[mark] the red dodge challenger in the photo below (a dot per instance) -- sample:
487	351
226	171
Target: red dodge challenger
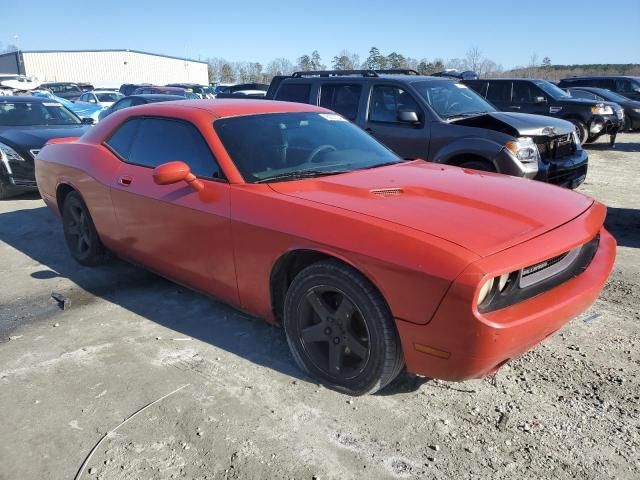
369	262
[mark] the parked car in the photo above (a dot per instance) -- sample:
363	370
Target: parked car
26	124
631	107
128	88
82	110
452	73
243	93
591	119
153	90
201	91
241	87
135	100
442	120
626	86
104	98
449	271
86	87
66	90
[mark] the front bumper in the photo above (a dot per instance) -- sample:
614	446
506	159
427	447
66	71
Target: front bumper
18	177
604	125
567	172
460	343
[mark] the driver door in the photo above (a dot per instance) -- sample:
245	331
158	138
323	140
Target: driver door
174	230
408	140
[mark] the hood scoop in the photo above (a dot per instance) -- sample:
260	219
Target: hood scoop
387	192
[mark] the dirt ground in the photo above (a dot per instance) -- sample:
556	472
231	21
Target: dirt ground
568	409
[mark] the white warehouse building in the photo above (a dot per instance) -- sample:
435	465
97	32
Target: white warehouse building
104	67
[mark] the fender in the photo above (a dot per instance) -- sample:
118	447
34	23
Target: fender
482	147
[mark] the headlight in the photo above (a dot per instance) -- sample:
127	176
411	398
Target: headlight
637	110
602	109
524	149
494	287
8	154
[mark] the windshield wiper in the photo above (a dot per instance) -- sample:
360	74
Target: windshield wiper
464	115
299	175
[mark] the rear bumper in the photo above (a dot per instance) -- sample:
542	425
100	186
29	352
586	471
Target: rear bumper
568	172
462	343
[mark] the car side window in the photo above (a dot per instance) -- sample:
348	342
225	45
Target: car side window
387	101
524	92
124	103
499	92
120	141
341	98
624	85
583	94
294	92
83	97
161	140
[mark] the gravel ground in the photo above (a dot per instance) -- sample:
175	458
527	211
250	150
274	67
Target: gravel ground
238	408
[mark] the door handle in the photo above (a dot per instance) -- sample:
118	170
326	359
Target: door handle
515	107
125	181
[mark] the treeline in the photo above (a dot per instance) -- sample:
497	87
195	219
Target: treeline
224	71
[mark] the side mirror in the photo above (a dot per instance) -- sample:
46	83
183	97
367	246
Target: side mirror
174	172
88	121
539	100
408	117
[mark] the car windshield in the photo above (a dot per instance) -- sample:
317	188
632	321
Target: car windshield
451	99
280	146
109	96
21	114
611	96
552	90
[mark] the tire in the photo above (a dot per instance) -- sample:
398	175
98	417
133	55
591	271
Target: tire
581	130
80	232
478	165
340	330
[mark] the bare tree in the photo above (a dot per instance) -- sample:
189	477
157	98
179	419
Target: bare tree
279	66
473	59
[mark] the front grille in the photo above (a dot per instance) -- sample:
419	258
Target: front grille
556	148
528	271
565	177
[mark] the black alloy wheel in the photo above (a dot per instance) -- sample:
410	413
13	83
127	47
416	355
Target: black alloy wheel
80	233
340	330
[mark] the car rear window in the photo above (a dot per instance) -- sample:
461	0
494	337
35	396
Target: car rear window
294	92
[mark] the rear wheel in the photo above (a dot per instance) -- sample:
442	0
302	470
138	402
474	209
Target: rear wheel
80	233
340	330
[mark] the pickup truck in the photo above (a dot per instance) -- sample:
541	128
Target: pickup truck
443	121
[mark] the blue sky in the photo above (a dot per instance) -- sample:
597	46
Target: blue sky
508	32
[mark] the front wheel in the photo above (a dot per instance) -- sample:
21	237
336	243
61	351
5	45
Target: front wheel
340	329
581	130
80	232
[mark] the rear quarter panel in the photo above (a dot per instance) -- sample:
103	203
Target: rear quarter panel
87	168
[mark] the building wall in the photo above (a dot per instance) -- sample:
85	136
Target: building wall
113	68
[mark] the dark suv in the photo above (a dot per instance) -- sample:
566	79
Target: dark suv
66	90
444	121
591	119
626	86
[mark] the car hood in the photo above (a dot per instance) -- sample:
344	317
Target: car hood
37	136
518	124
482	212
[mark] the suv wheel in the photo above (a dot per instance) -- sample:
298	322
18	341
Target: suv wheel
581	130
340	329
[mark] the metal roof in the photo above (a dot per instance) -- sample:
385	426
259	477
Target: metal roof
123	50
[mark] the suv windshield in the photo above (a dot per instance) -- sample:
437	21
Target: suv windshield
281	146
550	89
22	114
451	99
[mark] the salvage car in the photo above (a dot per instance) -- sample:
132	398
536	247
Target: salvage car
626	86
67	90
135	100
294	214
631	107
26	124
104	98
591	119
442	120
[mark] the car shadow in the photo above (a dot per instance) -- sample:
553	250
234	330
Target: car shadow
38	234
624	225
619	147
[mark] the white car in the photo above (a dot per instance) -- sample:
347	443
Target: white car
104	98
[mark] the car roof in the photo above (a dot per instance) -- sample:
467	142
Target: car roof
24	99
221	108
382	76
154	96
60	83
595	77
